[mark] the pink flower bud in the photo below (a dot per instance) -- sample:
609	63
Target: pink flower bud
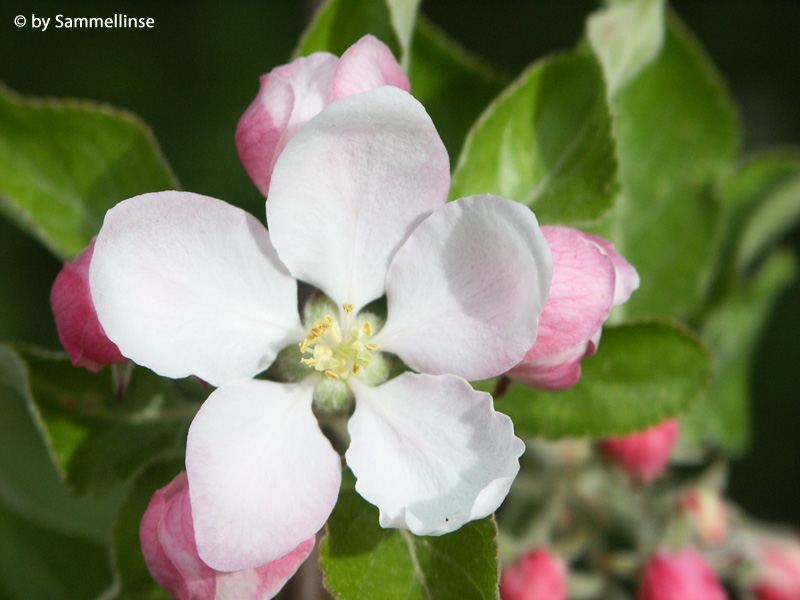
537	575
292	94
708	513
777	569
589	278
76	319
682	575
169	549
644	454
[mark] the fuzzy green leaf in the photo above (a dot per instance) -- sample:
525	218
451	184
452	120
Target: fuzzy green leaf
546	142
52	545
642	374
99	439
29	482
132	580
339	24
363	561
722	417
441	70
676	134
64	163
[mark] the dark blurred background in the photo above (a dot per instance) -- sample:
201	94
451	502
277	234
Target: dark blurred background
193	75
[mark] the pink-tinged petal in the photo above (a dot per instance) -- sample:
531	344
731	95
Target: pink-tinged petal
556	372
679	576
170	551
263	582
350	187
76	319
777	568
366	65
465	290
263	478
168	546
290	95
644	454
627	279
537	575
189	285
425	477
581	292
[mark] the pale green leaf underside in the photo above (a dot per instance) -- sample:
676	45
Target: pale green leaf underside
626	37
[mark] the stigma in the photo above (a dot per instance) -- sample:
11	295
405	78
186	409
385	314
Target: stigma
336	351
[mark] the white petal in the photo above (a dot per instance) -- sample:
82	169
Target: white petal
430	452
350	186
189	285
465	290
262	476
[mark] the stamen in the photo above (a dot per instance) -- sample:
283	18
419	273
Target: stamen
332	353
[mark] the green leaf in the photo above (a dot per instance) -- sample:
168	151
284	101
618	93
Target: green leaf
758	177
676	134
363	561
773	219
52	546
722	417
759	181
29	483
441	70
37	563
99	439
643	373
339	24
626	37
546	142
64	163
132	580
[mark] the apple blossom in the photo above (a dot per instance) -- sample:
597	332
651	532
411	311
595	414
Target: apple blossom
777	572
589	278
76	319
186	284
537	575
679	576
643	454
292	94
169	549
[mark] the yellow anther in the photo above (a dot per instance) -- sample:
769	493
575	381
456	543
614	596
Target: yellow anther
339	354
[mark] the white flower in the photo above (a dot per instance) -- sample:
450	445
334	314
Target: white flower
186	284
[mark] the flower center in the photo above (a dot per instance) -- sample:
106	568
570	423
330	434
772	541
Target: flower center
335	353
